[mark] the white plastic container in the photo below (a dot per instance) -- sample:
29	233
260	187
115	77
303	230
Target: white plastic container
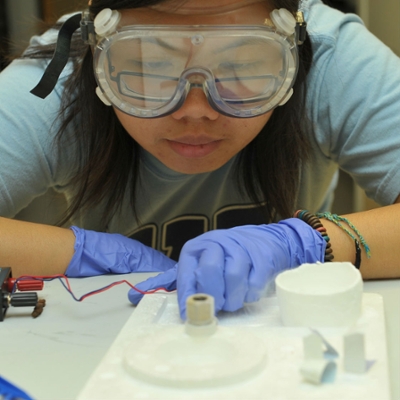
320	295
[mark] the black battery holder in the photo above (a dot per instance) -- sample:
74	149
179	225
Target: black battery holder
26	299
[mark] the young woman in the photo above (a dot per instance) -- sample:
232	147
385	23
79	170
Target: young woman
197	129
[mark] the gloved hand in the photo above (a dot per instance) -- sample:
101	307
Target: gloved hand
235	265
99	253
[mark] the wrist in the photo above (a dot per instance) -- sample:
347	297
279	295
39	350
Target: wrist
315	223
73	269
342	243
310	245
337	226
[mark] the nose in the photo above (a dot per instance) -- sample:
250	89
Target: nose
196	105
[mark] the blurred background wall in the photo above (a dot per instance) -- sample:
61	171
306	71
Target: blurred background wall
20	19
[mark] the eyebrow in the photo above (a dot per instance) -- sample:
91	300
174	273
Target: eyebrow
233	44
239	43
160	43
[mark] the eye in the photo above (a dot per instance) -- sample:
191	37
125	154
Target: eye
242	66
156	65
234	66
147	66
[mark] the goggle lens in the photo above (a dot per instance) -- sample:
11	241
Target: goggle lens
243	72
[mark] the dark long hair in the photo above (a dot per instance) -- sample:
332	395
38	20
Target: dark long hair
268	168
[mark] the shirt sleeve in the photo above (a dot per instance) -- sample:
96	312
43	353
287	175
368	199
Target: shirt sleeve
354	101
29	163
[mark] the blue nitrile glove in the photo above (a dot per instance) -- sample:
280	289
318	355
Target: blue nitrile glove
99	253
235	265
9	391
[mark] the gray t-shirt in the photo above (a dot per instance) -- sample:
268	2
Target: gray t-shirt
353	102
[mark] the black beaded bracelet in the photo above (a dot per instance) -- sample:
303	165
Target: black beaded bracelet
357	263
315	223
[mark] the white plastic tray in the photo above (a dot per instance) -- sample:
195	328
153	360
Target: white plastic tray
280	379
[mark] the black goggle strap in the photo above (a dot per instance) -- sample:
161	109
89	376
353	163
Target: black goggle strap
60	57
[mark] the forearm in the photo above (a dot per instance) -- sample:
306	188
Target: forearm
381	230
34	248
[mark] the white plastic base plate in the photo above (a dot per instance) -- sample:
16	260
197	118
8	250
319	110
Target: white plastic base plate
279	378
168	356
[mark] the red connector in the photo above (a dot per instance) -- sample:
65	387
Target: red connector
25	285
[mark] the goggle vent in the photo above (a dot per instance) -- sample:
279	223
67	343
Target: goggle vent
284	21
106	21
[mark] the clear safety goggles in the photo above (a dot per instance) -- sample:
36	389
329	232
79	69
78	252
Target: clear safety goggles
148	70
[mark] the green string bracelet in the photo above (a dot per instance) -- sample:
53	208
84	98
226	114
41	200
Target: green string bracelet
337	219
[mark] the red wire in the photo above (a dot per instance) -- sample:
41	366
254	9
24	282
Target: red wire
128	283
60	276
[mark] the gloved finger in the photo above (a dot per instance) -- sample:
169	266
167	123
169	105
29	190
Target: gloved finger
188	275
210	274
237	270
254	294
262	274
166	280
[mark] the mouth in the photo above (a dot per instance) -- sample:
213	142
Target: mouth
194	146
195	140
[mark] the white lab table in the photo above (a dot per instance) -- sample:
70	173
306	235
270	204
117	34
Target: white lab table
52	356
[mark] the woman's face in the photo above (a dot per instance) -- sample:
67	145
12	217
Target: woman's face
196	138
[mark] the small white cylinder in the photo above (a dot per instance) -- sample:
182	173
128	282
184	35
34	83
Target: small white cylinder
200	319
